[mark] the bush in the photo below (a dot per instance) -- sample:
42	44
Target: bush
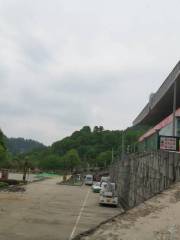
3	185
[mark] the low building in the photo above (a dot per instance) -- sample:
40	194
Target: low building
162	112
150	140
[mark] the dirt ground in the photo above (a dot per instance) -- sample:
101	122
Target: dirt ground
157	219
48	211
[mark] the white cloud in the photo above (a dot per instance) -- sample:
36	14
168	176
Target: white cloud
67	63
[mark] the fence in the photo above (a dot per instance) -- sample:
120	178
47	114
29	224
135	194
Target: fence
142	175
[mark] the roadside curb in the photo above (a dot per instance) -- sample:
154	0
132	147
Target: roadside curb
93	229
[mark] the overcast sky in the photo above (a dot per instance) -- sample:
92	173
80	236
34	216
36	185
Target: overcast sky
69	63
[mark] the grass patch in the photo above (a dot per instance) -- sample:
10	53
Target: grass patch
3	185
47	175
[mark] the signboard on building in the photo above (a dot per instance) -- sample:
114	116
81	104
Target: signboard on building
169	143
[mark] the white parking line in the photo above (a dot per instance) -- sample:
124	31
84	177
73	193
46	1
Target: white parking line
79	216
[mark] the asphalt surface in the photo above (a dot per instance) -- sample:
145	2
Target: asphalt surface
156	219
48	211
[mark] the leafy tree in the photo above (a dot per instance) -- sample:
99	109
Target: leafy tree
101	129
86	129
71	159
51	162
104	159
3	152
98	129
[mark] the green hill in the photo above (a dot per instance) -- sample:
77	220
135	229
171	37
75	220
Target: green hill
21	145
83	148
86	147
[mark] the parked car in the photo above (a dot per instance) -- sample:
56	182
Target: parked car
108	195
96	188
89	180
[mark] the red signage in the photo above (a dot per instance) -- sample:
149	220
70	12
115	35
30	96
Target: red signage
169	143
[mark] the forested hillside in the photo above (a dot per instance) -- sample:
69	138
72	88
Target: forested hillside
12	148
86	147
21	145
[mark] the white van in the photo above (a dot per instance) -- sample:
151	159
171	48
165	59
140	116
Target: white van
89	180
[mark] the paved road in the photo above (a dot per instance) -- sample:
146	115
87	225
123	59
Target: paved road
156	219
48	211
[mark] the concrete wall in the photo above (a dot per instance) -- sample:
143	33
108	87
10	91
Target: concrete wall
141	176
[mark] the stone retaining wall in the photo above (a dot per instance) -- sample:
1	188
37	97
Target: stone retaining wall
141	176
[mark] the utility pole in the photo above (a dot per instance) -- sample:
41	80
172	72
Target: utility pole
25	169
174	110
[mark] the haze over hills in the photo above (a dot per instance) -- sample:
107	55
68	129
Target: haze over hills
21	146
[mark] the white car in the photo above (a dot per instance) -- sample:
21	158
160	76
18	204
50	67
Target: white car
96	187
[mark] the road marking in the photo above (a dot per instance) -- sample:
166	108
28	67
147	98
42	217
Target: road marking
79	216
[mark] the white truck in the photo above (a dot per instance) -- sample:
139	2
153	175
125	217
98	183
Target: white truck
108	195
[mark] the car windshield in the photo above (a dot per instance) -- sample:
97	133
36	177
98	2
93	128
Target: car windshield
89	178
97	184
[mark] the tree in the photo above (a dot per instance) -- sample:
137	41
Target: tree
86	129
51	162
101	129
96	129
3	152
104	159
71	159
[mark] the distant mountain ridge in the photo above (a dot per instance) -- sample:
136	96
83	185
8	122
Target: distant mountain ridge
21	145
